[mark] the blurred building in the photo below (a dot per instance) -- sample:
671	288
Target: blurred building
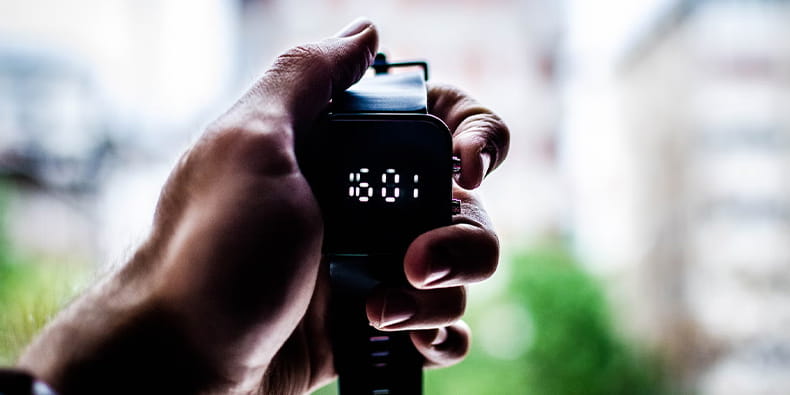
151	74
53	146
691	210
97	98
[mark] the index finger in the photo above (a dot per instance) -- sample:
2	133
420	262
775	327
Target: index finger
480	138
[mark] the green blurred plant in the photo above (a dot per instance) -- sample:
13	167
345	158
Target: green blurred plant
32	289
573	347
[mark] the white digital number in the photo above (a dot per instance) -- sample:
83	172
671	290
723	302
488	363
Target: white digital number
361	185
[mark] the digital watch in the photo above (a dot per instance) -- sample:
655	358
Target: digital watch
381	168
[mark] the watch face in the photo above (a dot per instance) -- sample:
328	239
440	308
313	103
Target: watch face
382	181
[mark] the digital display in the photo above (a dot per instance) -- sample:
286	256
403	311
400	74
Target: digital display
364	185
381	183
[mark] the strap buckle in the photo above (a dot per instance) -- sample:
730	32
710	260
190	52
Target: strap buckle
381	66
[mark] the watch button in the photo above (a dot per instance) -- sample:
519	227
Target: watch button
456	206
456	165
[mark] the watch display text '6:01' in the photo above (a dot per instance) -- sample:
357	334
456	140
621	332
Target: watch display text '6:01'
388	185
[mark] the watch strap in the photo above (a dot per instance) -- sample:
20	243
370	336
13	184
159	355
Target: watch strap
404	92
19	382
368	361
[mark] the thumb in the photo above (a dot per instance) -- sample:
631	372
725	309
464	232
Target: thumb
302	80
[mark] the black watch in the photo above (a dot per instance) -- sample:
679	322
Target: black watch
381	168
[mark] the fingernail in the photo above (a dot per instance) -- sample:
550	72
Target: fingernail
439	263
437	274
441	337
356	26
398	307
485	158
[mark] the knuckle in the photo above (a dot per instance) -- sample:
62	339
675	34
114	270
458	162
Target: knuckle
459	307
490	265
347	72
266	153
464	115
482	254
498	138
303	51
447	305
443	98
441	90
300	54
261	146
328	60
487	132
488	247
458	343
307	56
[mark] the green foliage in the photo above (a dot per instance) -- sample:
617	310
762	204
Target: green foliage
32	290
572	345
575	348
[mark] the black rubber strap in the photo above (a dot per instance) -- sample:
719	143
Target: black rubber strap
18	382
391	93
369	361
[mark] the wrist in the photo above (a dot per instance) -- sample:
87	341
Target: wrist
119	338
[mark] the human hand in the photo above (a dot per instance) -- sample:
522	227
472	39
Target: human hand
226	295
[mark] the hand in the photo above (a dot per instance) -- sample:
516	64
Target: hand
440	263
226	295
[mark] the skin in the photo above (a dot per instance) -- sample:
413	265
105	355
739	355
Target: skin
227	294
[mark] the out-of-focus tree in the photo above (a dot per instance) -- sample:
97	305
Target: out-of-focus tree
573	346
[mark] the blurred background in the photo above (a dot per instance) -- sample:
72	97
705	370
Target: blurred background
643	211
